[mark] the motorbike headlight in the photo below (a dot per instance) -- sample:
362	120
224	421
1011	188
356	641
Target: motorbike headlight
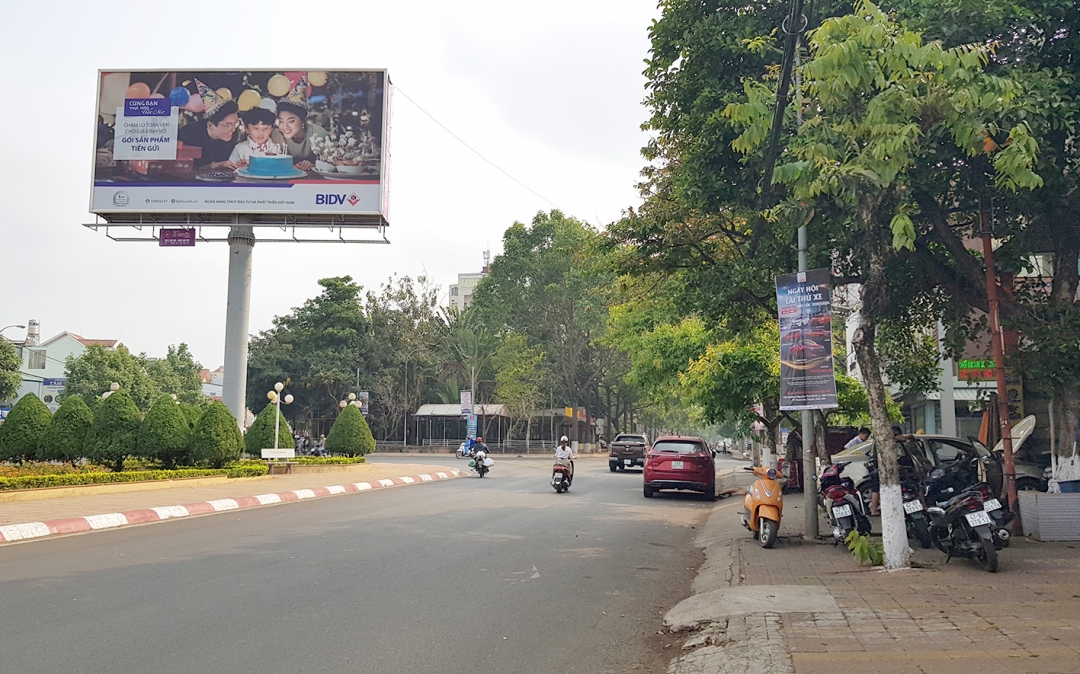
771	473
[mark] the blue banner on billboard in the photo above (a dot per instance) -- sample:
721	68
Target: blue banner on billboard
807	380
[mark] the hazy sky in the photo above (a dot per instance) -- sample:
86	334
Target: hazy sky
550	91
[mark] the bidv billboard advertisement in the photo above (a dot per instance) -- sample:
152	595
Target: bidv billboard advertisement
266	141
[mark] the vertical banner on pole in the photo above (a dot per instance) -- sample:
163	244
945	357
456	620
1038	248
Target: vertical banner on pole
807	380
466	403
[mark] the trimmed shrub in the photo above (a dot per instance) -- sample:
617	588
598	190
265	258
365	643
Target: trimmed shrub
327	460
261	434
115	431
65	437
350	434
192	413
216	440
21	433
165	434
76	479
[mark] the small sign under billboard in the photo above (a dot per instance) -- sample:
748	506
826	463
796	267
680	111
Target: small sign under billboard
255	141
173	238
807	379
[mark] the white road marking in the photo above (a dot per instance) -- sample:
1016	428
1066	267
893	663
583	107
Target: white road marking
171	511
336	489
304	493
106	521
18	532
224	504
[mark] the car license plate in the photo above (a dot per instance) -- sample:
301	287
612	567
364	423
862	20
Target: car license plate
841	511
992	504
628	462
912	506
676	465
979	518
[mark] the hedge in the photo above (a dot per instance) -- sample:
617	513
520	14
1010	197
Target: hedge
165	434
76	479
261	434
115	432
327	460
350	435
65	437
21	433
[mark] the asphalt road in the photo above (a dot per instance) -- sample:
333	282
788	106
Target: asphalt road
494	575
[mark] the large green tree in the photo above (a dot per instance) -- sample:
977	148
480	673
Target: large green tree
178	374
520	379
92	373
10	370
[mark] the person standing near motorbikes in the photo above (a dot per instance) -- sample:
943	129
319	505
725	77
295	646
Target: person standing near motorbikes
565	453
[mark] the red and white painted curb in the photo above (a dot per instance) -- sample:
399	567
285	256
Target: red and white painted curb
73	525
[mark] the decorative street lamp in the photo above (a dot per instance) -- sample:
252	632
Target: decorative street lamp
275	397
113	388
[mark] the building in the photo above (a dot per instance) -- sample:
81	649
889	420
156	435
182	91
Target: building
461	292
44	363
212	382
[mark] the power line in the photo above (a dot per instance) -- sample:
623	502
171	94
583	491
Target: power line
471	148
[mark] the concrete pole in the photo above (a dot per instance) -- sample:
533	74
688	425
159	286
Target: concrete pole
234	380
948	405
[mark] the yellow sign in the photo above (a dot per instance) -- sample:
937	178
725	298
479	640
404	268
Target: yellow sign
568	412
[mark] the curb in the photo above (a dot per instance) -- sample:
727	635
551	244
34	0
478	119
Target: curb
73	525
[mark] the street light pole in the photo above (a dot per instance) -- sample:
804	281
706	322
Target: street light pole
11	326
275	397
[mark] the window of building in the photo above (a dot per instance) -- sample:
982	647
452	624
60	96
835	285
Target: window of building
35	359
453	291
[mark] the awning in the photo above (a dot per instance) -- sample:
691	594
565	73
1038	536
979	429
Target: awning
455	411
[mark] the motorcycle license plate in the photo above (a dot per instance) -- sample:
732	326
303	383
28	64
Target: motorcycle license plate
912	506
676	465
979	518
628	461
992	504
841	511
557	477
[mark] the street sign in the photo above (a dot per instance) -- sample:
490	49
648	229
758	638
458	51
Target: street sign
50	392
279	453
365	398
466	402
470	426
171	238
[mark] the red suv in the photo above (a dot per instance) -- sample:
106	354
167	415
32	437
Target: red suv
676	462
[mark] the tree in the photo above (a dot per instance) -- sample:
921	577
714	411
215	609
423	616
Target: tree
114	434
882	102
519	379
21	432
165	434
261	434
177	374
350	434
65	437
10	370
216	440
92	373
192	413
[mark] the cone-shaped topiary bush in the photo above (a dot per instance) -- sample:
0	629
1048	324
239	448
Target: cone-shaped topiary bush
350	434
115	431
192	413
217	439
165	434
261	434
65	437
21	433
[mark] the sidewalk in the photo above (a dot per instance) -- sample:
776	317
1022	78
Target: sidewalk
808	607
62	515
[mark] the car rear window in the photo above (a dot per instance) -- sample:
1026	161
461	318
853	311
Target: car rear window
631	438
676	447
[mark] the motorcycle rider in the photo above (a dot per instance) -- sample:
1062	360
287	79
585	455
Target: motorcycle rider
564	453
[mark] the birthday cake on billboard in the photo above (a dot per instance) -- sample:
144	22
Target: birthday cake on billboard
270	165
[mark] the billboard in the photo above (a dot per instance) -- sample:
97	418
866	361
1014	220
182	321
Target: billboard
256	141
807	381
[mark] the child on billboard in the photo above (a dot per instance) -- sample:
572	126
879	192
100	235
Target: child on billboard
258	125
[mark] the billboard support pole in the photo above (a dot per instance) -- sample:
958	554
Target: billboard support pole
234	380
809	470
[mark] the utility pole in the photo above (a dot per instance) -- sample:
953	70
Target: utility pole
997	339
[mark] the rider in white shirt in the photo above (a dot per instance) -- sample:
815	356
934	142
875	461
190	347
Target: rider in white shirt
564	453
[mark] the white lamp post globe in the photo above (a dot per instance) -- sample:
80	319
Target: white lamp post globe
278	386
352	396
114	386
342	404
288	399
271	395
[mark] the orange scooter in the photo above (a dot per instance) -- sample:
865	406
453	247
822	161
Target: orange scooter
763	505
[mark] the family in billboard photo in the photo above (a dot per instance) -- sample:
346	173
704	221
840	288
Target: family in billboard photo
297	126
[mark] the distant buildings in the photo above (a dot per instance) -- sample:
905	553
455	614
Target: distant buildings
461	292
43	362
211	382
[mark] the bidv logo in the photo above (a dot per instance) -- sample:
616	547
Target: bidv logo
335	199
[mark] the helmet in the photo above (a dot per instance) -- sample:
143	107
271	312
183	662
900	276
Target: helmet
564	439
479	439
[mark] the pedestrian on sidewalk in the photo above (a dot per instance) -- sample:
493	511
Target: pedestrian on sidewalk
862	436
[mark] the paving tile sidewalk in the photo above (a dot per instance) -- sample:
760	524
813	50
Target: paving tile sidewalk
95	504
938	618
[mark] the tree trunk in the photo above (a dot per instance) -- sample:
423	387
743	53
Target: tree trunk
893	530
1066	458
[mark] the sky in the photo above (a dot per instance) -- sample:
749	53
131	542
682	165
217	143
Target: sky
550	91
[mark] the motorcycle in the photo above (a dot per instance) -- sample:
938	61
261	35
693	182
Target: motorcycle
463	450
763	505
481	462
966	526
842	502
914	510
561	477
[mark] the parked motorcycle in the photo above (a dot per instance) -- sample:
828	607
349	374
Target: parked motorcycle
966	526
842	502
918	526
481	462
561	476
763	505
